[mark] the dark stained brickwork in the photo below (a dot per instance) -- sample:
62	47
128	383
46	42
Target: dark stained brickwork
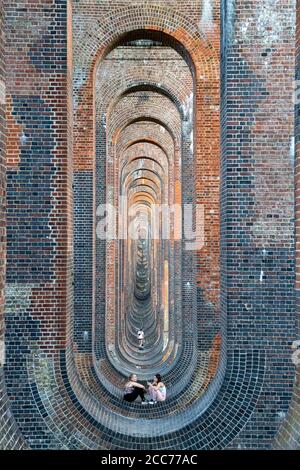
29	194
39	181
124	82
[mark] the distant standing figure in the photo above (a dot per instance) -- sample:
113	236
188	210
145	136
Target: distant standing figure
141	338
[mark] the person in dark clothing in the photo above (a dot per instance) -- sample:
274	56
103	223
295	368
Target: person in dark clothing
134	389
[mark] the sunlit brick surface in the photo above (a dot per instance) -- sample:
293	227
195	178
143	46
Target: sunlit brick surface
166	102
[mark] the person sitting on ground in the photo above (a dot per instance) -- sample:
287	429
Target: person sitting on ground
157	389
141	336
133	389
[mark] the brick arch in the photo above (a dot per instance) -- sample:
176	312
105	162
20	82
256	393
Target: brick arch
138	20
140	148
172	27
149	131
146	141
155	120
204	55
244	414
119	120
111	85
150	87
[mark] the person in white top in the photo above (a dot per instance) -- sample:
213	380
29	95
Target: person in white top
141	338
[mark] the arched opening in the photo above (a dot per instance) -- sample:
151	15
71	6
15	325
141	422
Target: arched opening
142	135
137	110
145	273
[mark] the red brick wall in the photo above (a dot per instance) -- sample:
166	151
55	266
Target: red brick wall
257	209
206	61
42	79
288	436
202	54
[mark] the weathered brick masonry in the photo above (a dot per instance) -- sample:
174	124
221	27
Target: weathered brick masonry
38	197
258	44
288	436
185	101
10	437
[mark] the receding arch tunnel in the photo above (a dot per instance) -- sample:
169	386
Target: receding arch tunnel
142	194
145	164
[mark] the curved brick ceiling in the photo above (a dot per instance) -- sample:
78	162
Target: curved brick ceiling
144	131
